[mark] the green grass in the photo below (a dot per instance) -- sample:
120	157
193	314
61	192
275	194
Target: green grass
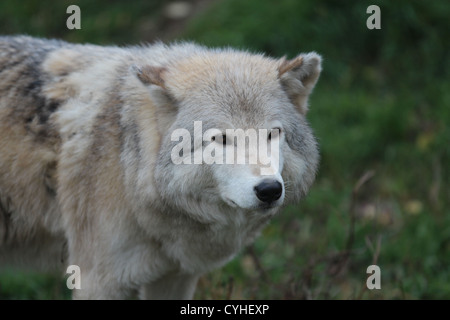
20	285
380	107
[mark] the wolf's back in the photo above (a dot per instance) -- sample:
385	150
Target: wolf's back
21	83
28	142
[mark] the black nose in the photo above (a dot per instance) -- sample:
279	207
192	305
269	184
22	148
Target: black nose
269	190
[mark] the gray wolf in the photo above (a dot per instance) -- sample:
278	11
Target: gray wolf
86	175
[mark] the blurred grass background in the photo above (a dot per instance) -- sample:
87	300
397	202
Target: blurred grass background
381	112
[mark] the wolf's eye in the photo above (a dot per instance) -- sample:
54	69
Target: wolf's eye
219	139
270	133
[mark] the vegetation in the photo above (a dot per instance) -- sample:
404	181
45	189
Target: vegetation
381	113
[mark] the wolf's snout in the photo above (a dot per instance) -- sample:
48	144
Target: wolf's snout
268	190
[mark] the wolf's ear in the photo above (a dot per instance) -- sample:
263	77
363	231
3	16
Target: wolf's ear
166	108
150	74
299	76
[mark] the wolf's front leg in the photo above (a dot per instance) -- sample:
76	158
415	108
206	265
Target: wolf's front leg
173	287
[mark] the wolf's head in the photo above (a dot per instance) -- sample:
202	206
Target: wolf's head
233	129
